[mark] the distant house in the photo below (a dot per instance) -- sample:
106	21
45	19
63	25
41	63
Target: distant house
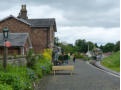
41	31
89	54
20	43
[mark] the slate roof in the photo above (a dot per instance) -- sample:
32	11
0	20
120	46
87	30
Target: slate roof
19	19
41	22
16	39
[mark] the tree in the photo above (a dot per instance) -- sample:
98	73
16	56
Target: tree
96	45
69	48
117	46
91	45
109	47
56	41
101	47
81	46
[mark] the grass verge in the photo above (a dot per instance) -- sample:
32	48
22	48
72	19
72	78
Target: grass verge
112	62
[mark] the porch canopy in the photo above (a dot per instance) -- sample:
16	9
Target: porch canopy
17	40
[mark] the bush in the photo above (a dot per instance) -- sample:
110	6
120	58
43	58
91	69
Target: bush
31	58
61	58
47	54
17	77
78	55
5	87
17	81
43	65
81	56
14	55
86	58
22	77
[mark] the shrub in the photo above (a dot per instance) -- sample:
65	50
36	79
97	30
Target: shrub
31	58
86	58
78	55
47	54
22	77
42	66
81	56
14	55
5	87
12	79
46	67
60	57
16	77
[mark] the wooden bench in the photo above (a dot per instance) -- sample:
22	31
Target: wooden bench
57	68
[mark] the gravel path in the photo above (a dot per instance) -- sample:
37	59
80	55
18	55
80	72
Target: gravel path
85	77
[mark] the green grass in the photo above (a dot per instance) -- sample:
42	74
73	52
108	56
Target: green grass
112	61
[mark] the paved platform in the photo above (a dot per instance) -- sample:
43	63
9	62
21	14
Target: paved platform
85	77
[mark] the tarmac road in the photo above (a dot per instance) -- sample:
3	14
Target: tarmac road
84	77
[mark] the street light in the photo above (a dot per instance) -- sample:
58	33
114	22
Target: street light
5	33
5	37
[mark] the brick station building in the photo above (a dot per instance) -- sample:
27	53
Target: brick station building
40	31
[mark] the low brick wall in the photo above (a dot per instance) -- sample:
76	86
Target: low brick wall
19	61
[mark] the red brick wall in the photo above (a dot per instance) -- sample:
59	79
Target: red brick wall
11	50
14	26
40	37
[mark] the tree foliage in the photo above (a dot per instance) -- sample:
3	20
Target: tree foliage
56	41
117	46
82	45
69	48
110	47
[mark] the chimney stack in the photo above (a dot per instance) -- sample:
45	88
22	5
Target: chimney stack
23	12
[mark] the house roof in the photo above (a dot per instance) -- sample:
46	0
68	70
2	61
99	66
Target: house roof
11	16
41	22
16	39
47	22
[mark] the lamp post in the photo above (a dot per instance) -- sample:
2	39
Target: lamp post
88	46
5	37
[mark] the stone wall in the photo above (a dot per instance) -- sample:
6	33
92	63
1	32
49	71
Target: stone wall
20	61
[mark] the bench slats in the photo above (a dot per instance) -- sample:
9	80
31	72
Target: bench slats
63	68
55	68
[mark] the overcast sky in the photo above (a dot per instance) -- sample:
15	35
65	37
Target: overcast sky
94	20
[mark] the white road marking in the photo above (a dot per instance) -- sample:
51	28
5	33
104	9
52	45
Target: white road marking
103	70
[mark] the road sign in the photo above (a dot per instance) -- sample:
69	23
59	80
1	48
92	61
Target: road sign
7	44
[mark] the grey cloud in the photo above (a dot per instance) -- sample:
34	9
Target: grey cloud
6	4
101	19
85	5
95	13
